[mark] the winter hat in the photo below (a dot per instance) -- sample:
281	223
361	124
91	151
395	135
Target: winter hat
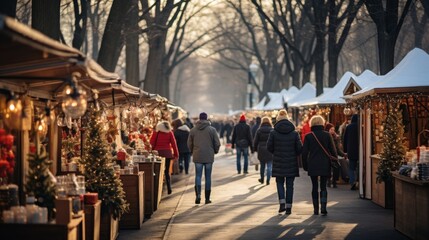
266	120
203	116
282	115
328	126
242	118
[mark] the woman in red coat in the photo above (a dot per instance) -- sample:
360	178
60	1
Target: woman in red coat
163	141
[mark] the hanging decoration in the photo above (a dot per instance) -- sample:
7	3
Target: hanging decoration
7	156
74	103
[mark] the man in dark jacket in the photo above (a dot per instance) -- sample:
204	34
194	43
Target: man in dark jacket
285	145
242	140
256	126
351	148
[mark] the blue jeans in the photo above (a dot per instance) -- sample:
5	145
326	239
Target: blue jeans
280	181
207	173
353	164
184	161
245	156
269	170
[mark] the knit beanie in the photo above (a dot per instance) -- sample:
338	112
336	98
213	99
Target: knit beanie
242	118
282	115
203	116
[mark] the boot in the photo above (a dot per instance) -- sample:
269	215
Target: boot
282	207
315	197
323	202
197	194
207	193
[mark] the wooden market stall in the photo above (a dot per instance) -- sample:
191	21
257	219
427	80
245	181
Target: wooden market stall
405	89
37	71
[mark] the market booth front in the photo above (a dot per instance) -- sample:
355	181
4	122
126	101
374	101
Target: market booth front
394	115
52	98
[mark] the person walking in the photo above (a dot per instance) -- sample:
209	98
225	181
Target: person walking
285	144
330	128
316	161
242	140
203	142
351	148
163	141
260	145
181	133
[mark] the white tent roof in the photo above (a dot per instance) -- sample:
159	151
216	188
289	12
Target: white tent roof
260	105
290	93
412	73
306	92
276	101
312	101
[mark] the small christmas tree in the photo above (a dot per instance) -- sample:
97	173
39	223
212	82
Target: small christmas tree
39	180
393	148
99	173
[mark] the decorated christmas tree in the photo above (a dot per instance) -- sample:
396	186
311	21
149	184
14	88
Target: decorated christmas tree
99	173
393	148
39	180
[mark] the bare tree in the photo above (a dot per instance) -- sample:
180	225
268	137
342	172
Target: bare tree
386	17
81	17
132	45
8	7
46	17
113	38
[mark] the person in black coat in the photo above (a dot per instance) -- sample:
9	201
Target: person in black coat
351	148
260	145
317	162
181	133
285	144
242	140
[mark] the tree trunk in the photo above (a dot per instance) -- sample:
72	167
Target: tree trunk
95	21
132	46
80	14
8	8
155	78
333	66
112	42
386	52
46	17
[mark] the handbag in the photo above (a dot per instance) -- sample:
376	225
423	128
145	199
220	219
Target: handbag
335	163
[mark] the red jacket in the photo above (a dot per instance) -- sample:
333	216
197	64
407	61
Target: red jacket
163	139
305	129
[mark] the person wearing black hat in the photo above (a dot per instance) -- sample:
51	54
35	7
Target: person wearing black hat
242	140
204	143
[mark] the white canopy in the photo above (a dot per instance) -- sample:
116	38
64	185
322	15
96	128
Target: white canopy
306	92
276	101
260	105
290	93
411	74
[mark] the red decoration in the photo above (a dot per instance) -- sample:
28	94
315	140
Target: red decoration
7	157
91	198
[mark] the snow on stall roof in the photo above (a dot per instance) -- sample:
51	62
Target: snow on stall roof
412	71
306	92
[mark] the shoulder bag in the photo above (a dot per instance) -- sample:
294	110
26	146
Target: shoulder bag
335	163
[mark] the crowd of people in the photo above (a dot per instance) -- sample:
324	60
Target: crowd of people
281	148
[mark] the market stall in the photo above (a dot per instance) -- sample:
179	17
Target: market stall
74	118
394	111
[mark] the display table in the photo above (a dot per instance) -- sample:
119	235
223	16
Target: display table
159	177
411	207
133	188
149	184
92	221
381	193
50	231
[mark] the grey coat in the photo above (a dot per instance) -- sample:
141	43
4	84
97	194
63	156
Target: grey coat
203	142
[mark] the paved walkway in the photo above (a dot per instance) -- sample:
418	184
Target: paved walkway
243	208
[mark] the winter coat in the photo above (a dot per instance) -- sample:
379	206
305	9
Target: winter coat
260	143
314	159
181	134
304	130
255	128
285	145
163	139
351	139
337	142
203	142
241	136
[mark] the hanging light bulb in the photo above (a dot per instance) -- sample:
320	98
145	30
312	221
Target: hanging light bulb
347	111
74	103
13	113
41	127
